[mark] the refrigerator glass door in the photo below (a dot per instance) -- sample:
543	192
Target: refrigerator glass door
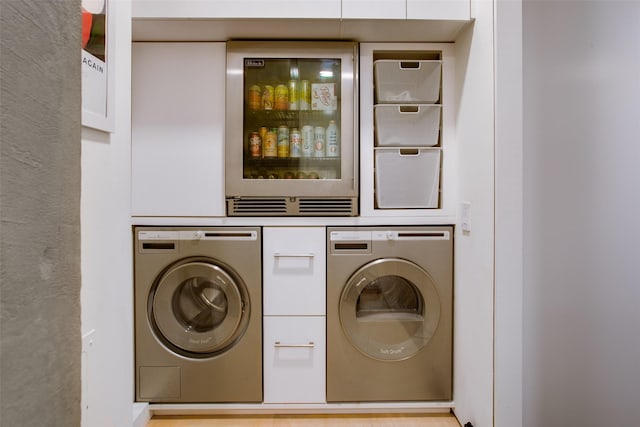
291	125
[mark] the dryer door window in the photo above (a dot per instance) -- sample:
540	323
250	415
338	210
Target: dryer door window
198	308
390	309
389	298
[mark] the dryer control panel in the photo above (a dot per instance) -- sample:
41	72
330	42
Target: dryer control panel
361	241
388	235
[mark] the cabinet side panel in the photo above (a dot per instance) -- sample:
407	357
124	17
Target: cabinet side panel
178	110
474	247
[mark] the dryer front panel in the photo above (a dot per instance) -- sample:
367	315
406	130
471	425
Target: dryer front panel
390	309
199	308
389	313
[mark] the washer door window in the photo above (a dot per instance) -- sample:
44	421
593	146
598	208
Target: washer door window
199	309
389	309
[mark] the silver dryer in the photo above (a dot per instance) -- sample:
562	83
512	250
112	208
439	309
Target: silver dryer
389	313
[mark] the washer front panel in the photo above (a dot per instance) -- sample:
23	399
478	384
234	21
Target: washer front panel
198	314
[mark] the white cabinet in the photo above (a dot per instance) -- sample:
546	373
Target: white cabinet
374	9
294	308
294	359
362	20
177	129
236	9
420	161
407	9
325	9
439	9
294	260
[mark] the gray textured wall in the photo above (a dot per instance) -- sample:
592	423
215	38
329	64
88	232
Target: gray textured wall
40	341
582	204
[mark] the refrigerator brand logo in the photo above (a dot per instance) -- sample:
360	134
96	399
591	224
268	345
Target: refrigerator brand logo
254	63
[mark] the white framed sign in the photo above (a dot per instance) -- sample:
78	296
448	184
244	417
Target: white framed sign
98	31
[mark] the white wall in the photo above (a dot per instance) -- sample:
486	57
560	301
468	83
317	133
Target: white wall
107	295
582	204
508	214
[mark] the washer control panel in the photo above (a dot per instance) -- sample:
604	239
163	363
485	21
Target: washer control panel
204	234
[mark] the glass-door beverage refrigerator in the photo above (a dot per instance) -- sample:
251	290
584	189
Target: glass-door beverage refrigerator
291	136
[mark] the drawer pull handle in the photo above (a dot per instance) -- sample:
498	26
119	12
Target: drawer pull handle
294	255
278	344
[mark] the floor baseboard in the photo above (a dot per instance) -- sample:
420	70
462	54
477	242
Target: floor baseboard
141	414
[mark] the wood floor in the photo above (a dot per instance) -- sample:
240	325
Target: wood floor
372	420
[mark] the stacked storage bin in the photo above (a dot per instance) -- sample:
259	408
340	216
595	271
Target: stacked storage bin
407	114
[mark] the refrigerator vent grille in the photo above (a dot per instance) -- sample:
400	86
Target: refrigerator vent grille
326	206
288	206
258	207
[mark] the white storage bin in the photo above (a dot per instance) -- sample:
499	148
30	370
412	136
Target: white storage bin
402	82
407	125
407	178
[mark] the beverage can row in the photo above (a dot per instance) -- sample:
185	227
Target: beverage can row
326	142
311	141
295	95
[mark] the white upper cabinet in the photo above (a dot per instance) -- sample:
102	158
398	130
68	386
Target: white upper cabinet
283	9
325	9
374	9
362	20
439	9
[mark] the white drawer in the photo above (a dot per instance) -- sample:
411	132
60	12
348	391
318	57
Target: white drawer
294	270
294	357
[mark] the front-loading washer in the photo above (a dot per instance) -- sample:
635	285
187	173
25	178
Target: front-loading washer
198	311
389	313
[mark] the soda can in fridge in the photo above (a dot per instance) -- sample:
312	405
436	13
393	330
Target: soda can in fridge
255	145
270	143
294	95
263	133
281	102
318	141
283	141
333	140
295	143
254	98
304	102
307	141
268	96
